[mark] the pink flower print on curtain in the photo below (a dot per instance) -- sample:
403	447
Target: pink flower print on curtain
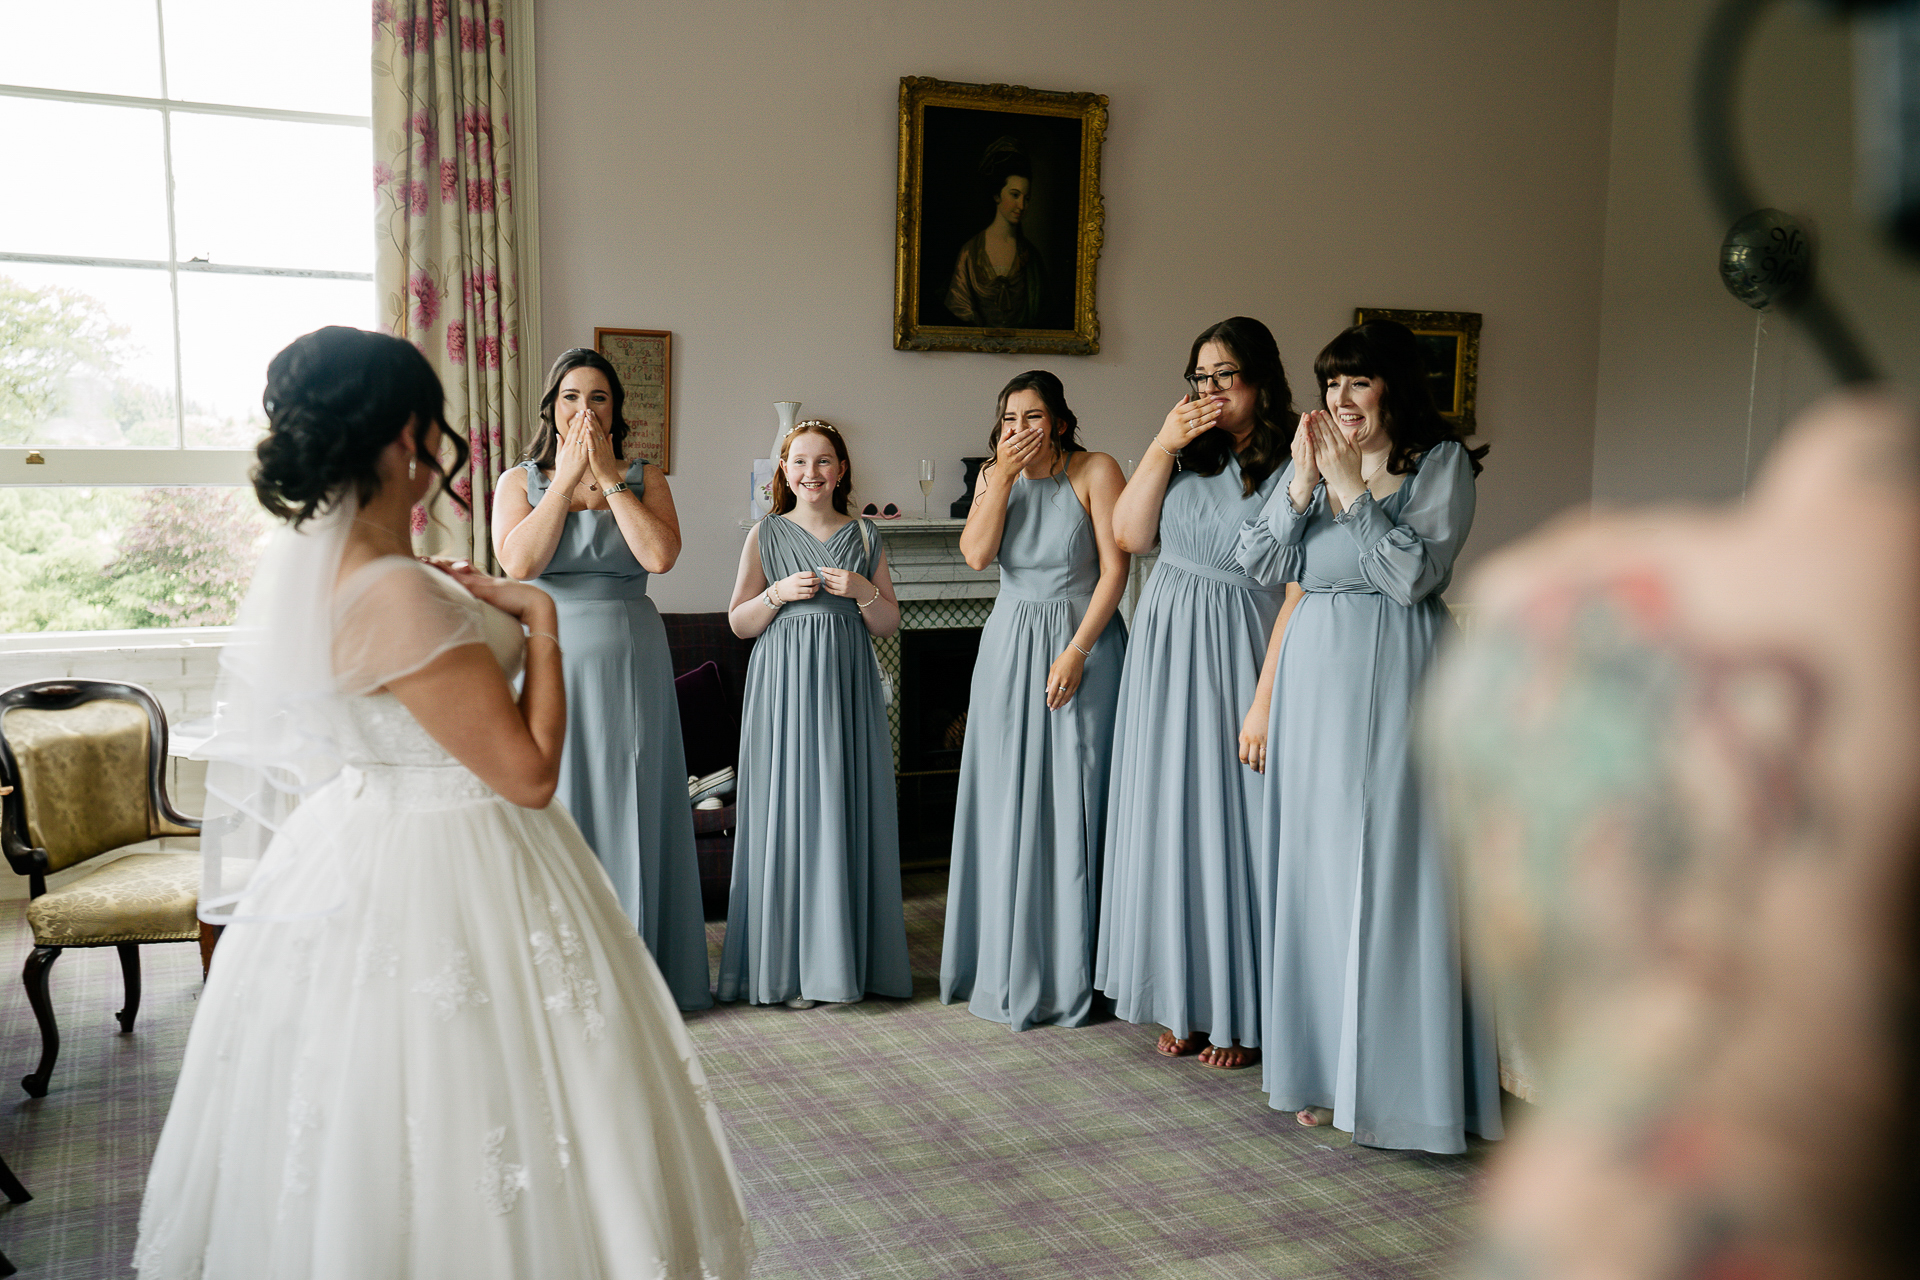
476	131
444	268
426	137
426	300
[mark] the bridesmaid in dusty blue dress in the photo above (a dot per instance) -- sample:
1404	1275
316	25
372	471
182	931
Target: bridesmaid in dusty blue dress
1367	1024
591	527
815	911
1180	906
1031	819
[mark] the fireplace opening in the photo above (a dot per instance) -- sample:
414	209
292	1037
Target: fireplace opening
936	675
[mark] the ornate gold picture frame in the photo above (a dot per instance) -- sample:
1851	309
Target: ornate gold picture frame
644	360
1000	219
1450	347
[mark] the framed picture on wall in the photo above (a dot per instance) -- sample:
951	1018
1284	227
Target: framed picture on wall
644	360
1450	349
999	220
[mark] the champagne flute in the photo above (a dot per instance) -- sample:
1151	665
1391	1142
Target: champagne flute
926	485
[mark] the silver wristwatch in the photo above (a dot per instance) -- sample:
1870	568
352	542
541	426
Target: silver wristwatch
612	489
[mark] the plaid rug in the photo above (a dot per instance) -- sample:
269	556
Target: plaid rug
889	1138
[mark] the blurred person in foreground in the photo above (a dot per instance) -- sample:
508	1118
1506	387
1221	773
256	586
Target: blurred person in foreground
1680	755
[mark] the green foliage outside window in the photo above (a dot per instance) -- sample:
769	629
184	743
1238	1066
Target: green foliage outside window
47	337
121	559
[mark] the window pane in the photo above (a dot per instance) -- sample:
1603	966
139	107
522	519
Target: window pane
231	326
83	180
265	193
87	357
113	559
298	57
109	46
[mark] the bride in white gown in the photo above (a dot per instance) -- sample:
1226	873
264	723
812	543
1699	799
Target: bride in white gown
431	1043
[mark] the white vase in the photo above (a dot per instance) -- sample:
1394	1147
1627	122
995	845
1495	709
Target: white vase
760	497
789	411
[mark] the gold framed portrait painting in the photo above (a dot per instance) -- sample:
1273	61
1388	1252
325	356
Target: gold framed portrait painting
644	360
1450	349
999	221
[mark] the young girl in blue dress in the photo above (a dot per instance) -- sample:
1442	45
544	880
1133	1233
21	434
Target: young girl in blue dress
815	912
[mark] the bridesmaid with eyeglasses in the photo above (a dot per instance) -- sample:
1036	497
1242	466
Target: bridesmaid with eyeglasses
1182	902
1030	822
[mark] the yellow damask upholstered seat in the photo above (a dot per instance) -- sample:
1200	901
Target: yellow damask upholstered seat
143	897
86	761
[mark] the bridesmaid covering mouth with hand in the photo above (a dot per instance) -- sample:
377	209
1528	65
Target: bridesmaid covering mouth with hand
1029	825
1183	898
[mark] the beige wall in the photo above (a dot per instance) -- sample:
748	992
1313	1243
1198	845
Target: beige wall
726	170
1678	363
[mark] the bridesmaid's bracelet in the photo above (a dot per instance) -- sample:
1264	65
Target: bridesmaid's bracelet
545	635
876	596
773	601
1083	652
1162	448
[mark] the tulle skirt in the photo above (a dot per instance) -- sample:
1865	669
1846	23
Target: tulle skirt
462	1063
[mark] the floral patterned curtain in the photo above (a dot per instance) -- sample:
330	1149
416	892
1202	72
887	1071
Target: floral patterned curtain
445	268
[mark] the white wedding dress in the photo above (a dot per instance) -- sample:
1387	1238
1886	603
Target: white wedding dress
446	1052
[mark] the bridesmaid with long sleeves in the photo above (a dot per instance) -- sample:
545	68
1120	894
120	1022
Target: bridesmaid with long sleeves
1368	1025
814	912
1180	906
1030	823
590	525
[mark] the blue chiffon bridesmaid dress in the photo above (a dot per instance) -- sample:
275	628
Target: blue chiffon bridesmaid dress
1366	1007
1180	906
623	773
815	910
1030	824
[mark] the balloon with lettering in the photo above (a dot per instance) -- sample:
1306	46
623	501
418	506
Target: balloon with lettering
1766	259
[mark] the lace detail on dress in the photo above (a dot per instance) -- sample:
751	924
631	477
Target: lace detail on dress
500	1183
300	956
416	1156
379	955
578	993
303	1117
454	987
146	1256
698	1079
562	1144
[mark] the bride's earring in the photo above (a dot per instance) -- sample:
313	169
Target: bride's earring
413	467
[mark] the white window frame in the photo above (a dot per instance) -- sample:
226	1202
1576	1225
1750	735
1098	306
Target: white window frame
175	465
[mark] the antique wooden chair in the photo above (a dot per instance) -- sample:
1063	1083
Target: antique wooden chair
86	760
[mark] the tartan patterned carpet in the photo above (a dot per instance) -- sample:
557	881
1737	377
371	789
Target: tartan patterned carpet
885	1139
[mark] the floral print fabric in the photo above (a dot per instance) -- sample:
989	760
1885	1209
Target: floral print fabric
446	234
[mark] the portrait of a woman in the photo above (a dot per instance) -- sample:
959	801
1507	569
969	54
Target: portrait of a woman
999	281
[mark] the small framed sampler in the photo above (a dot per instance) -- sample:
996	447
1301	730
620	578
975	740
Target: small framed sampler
1450	349
644	360
999	219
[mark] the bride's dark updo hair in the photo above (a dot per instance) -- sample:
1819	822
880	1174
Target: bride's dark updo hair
335	399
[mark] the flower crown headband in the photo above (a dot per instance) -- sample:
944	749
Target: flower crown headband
808	425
